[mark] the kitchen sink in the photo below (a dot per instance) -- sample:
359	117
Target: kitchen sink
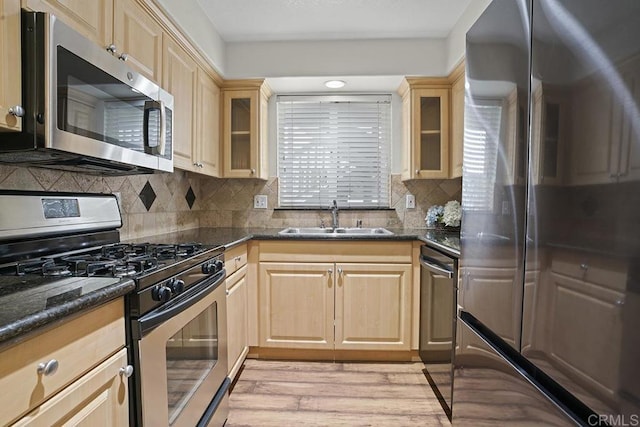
330	232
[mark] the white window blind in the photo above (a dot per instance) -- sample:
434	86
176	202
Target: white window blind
482	123
334	148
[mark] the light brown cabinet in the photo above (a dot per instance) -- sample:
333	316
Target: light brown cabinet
244	127
206	144
457	121
140	37
10	70
180	75
341	306
426	128
237	308
88	384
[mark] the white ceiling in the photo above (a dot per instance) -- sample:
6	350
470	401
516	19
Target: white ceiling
286	20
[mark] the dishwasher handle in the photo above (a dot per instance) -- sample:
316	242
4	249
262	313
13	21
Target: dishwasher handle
435	268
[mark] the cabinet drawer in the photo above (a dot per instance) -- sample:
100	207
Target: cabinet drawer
598	269
235	258
77	346
233	279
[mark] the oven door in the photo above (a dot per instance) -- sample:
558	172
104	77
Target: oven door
182	356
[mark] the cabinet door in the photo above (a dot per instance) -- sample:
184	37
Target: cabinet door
373	307
436	332
140	37
240	133
10	64
431	133
207	140
93	19
407	146
236	320
457	126
296	305
179	74
98	398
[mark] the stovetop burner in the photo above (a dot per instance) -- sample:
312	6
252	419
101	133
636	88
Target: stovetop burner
116	260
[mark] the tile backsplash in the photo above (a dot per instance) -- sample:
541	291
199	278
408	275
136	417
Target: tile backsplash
164	202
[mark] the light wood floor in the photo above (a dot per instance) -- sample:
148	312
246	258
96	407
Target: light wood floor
273	393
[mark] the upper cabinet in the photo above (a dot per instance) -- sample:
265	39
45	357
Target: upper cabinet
433	126
206	144
244	129
138	38
426	128
10	76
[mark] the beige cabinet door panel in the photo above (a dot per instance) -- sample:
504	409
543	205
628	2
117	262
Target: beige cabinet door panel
179	78
93	19
296	305
373	307
98	398
10	64
236	318
139	36
207	140
430	123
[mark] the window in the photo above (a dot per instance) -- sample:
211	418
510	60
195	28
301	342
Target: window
482	123
334	148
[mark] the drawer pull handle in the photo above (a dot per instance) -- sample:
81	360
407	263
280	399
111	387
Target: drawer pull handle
126	371
227	292
48	368
238	258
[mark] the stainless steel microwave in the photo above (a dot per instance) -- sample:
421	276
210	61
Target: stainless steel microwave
85	109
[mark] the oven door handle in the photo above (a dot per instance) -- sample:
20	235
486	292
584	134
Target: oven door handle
154	318
436	268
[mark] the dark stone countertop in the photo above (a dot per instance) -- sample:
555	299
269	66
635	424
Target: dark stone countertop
445	241
30	302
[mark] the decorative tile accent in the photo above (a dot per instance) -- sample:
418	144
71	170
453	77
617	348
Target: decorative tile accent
147	195
191	197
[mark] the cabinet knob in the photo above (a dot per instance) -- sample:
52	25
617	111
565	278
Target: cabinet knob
16	111
126	371
112	48
417	171
330	271
584	266
339	271
48	368
200	165
227	292
123	57
253	171
620	302
195	164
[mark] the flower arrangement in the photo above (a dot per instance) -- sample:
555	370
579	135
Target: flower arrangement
449	215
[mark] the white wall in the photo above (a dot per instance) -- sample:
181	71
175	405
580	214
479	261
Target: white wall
191	19
455	42
336	57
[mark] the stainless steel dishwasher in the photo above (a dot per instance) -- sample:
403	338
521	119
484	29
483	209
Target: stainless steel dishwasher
438	302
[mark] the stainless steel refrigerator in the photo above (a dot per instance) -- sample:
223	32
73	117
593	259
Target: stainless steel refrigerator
548	327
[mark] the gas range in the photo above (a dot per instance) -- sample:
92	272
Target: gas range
49	238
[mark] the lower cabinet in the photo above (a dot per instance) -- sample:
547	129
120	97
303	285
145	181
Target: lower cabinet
237	316
341	306
98	398
69	375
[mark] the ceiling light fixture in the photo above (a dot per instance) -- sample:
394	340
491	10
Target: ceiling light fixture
334	84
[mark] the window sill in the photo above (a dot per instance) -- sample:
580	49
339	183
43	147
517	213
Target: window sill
328	209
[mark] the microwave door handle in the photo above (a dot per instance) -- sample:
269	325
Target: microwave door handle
160	147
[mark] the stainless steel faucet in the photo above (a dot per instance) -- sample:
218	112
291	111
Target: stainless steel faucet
334	215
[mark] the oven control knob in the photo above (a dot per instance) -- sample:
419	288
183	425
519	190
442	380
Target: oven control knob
219	265
161	293
176	286
208	268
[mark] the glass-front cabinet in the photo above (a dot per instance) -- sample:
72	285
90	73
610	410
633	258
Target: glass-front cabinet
244	129
426	128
